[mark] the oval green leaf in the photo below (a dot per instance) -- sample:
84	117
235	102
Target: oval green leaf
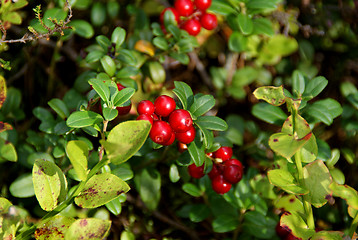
81	119
284	179
54	228
77	152
89	228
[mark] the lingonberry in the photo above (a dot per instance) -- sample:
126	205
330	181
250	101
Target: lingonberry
224	153
186	137
232	174
210	154
125	109
164	105
280	231
173	10
192	26
202	4
220	185
209	21
145	117
195	171
170	141
215	171
180	120
184	7
234	161
161	132
145	107
182	147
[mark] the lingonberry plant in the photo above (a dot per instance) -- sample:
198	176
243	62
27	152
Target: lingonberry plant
140	120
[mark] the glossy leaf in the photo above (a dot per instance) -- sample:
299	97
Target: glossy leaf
50	184
197	153
199	212
208	135
269	113
327	235
101	88
324	110
114	206
263	26
110	113
259	225
82	119
123	96
89	228
7	151
22	187
237	42
82	28
345	192
161	43
284	179
273	95
125	139
54	228
59	107
191	189
315	87
298	226
118	36
148	183
101	189
225	223
108	65
212	123
184	93
290	203
245	23
4	205
174	175
202	105
298	82
77	151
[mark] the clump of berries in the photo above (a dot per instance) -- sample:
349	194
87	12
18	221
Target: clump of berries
225	172
191	16
168	123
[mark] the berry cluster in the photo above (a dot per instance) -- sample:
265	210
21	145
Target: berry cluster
225	172
191	16
167	122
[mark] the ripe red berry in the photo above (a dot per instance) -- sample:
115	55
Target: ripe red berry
192	26
170	141
180	120
281	232
125	109
164	105
195	171
202	4
120	86
186	137
234	161
155	117
161	132
220	185
145	107
209	21
224	153
145	117
232	174
215	171
173	10
210	154
184	7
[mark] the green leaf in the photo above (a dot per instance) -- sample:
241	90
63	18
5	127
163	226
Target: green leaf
22	187
262	26
298	82
327	235
222	8
123	96
104	42
108	65
212	123
148	183
125	139
94	56
50	184
7	151
289	203
269	113
236	127
199	212
174	175
127	72
324	110
114	206
237	42
59	107
97	229
345	192
259	225
245	23
191	189
118	36
98	14
4	205
202	105
82	28
125	173
77	151
337	175
273	95
127	57
54	228
82	119
314	87
317	180
208	135
110	113
184	93
298	226
101	189
181	57
287	145
335	155
197	153
161	43
284	179
225	223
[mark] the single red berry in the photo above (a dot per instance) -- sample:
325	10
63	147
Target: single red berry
182	147
145	107
215	171
202	4
120	86
220	185
180	120
234	161
209	21
145	117
232	174
192	26
184	7
186	137
170	141
224	153
173	10
164	105
195	171
161	132
281	232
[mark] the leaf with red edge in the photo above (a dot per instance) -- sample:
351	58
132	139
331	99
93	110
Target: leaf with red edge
4	127
3	90
294	223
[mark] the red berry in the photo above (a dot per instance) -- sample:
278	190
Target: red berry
192	26
170	141
195	171
145	117
161	132
202	4
145	107
232	174
174	11
281	232
182	147
184	7
224	153
186	137
215	171
291	237
164	105
180	120
234	161
220	185
210	154
120	86
155	117
209	21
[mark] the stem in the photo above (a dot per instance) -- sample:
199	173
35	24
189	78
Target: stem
306	205
354	225
105	124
